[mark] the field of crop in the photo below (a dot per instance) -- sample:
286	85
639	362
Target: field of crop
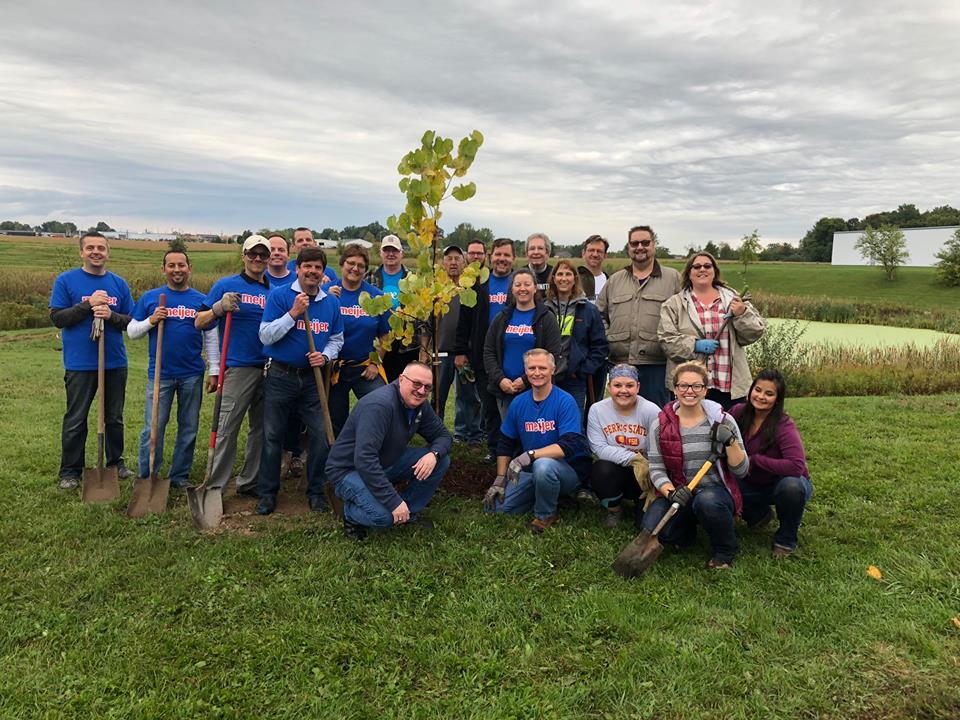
283	617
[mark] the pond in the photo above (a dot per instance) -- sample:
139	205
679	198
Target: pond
867	335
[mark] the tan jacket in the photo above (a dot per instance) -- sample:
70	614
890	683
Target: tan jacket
631	314
679	330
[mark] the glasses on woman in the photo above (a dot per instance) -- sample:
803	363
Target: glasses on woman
417	385
684	387
702	266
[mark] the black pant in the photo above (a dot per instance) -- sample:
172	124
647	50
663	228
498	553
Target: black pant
81	388
612	483
489	411
396	359
726	402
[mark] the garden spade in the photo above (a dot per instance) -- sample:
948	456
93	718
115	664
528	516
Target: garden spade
645	548
100	484
206	504
332	500
150	493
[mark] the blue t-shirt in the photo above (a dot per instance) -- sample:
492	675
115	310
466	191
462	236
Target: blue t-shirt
391	285
182	342
517	339
325	321
498	292
285	281
536	425
360	329
245	348
328	271
79	352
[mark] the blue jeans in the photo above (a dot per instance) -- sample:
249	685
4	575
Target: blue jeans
712	507
362	508
540	489
653	387
284	391
189	394
578	388
466	409
351	378
789	495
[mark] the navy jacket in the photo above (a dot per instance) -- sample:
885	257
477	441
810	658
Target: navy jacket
585	350
374	437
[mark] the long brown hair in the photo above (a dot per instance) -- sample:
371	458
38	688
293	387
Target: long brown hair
685	276
552	292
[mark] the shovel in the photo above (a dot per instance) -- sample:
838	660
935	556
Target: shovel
206	504
150	493
332	500
645	548
100	484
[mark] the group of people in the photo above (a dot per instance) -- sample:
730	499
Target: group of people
530	361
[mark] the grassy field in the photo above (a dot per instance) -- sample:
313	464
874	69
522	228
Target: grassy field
106	617
28	264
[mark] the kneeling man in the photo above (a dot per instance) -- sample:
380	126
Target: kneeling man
545	422
371	455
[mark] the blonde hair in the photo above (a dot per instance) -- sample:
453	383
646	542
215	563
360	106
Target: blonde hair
692	366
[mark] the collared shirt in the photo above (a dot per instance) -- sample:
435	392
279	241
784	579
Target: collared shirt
711	318
285	339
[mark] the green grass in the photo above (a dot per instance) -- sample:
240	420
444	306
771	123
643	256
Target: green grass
107	617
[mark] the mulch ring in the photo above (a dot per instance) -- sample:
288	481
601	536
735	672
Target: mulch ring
464	479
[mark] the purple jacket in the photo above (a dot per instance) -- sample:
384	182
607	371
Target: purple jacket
785	458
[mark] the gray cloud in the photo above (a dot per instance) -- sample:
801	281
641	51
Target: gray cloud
706	122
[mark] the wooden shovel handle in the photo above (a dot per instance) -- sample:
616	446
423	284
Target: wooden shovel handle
155	402
318	379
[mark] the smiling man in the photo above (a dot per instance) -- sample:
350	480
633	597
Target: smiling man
79	296
543	424
538	250
372	454
278	272
181	369
290	383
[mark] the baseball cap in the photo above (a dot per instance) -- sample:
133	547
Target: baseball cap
452	248
391	241
251	242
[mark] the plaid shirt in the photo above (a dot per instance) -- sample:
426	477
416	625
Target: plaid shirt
718	364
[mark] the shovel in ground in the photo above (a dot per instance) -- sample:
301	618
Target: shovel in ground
645	548
332	500
150	493
206	504
100	484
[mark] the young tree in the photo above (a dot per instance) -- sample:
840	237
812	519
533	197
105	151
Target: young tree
749	249
885	246
426	292
948	263
177	245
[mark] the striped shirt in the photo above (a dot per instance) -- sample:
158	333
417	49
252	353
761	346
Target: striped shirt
696	450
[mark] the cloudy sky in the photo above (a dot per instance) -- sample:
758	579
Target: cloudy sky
703	121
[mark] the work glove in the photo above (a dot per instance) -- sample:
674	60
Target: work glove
230	302
706	346
680	495
721	434
495	494
466	374
520	463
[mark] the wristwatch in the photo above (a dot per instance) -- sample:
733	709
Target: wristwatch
532	454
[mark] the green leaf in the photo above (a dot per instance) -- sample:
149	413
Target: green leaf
477	137
465	192
404	184
392	224
427	139
468	297
484	275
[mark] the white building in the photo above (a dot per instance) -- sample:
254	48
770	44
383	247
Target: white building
923	244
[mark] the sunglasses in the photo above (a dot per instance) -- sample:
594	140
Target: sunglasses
702	266
417	385
644	243
258	254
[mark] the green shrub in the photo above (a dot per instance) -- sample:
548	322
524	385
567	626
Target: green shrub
948	265
780	347
19	316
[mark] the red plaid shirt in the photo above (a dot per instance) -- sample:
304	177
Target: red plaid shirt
718	364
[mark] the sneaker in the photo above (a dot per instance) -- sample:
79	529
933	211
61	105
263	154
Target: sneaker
69	482
267	505
613	518
179	484
714	564
353	531
588	496
779	552
538	526
123	472
318	503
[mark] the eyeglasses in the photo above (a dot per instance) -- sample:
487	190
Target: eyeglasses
696	387
702	266
417	385
635	243
256	254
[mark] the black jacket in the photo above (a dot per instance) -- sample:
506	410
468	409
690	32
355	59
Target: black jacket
472	328
546	333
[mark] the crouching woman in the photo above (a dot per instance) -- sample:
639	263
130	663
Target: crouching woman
681	440
778	464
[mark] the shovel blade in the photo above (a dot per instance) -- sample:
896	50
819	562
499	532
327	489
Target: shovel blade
100	485
639	554
139	499
159	492
206	507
